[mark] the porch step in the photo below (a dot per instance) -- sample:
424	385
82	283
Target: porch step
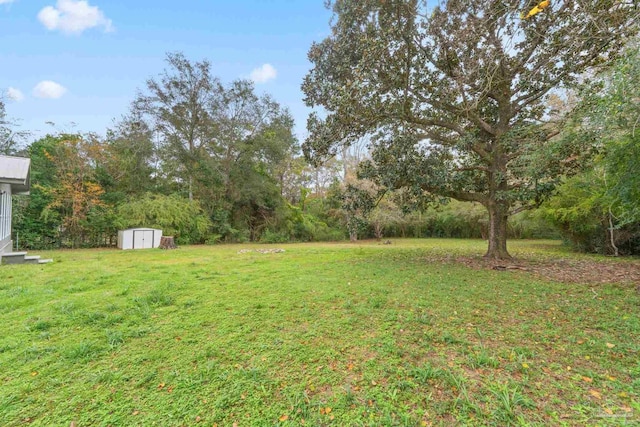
35	259
21	258
12	257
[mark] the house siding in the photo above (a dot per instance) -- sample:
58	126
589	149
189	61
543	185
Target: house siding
5	218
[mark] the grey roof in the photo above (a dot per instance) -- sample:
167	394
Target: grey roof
15	171
141	229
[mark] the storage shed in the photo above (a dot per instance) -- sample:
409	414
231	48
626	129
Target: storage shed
139	238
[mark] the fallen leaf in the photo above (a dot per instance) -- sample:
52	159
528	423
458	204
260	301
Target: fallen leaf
595	393
580	341
608	411
587	379
609	345
161	386
327	410
525	366
169	389
350	366
34	373
373	382
611	378
135	412
283	418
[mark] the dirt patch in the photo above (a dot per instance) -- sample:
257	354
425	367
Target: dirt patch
563	270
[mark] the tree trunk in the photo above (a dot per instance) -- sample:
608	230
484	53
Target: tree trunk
167	242
498	216
377	230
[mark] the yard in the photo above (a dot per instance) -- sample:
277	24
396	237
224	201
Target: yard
416	333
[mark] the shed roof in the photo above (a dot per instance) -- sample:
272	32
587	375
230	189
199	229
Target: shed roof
15	171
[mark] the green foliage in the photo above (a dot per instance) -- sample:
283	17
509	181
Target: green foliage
296	225
35	226
605	200
615	112
458	220
580	210
127	168
172	214
274	237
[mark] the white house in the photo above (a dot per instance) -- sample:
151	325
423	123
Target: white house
14	179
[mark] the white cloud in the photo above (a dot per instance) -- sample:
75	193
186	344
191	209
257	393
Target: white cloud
73	17
49	90
13	93
264	73
5	1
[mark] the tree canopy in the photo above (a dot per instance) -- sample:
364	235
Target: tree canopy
453	97
10	138
599	210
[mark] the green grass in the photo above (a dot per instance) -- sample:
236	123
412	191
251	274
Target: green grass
323	334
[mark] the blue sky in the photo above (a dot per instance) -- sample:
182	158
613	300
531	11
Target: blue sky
78	62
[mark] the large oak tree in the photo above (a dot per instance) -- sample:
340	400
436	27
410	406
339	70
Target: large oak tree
453	95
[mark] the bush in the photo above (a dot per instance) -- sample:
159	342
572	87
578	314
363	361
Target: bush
581	212
274	237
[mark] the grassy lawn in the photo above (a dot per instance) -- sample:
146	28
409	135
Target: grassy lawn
322	334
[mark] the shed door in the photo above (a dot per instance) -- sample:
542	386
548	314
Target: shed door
143	239
138	239
148	239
